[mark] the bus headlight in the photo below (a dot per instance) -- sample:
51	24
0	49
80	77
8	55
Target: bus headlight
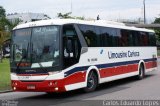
14	88
56	89
50	83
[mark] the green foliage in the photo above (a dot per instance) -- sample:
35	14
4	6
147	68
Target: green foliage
6	26
158	34
80	18
64	16
2	12
157	31
68	16
3	23
157	20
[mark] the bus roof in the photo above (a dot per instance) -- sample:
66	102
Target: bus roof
102	23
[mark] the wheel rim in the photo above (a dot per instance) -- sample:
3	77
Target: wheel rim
90	82
141	72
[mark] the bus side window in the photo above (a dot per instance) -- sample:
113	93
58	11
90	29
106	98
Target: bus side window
71	46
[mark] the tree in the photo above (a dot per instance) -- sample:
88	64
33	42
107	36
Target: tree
5	27
64	16
68	16
9	25
2	15
80	18
157	31
2	12
157	20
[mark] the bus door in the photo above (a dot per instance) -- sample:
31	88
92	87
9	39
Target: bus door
71	46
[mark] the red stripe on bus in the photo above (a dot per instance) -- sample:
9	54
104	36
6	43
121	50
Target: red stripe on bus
108	72
75	78
118	70
151	64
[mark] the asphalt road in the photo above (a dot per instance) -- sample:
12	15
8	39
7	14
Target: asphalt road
125	89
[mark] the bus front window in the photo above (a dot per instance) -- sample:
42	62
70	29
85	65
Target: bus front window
20	43
45	44
39	44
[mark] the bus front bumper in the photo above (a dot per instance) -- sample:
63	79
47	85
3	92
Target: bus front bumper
41	86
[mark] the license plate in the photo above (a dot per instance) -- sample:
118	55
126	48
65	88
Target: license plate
24	77
31	87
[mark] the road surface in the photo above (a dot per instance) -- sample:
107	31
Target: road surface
125	89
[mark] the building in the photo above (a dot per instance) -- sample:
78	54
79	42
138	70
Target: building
26	17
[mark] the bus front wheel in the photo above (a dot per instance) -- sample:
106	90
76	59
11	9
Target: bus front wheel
92	82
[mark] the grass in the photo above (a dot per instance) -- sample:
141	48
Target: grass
5	82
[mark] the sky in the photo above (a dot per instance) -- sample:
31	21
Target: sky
106	9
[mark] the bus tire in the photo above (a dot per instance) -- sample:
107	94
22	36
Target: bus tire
92	82
141	74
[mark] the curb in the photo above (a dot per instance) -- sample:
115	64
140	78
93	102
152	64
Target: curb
6	91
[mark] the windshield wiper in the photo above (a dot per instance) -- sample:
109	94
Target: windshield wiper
44	69
41	66
24	55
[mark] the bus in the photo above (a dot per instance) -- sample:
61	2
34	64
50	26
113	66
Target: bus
61	55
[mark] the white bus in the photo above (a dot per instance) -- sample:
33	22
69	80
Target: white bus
65	54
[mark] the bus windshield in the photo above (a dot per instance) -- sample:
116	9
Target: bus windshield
38	44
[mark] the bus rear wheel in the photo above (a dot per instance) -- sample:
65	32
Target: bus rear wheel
92	82
141	72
